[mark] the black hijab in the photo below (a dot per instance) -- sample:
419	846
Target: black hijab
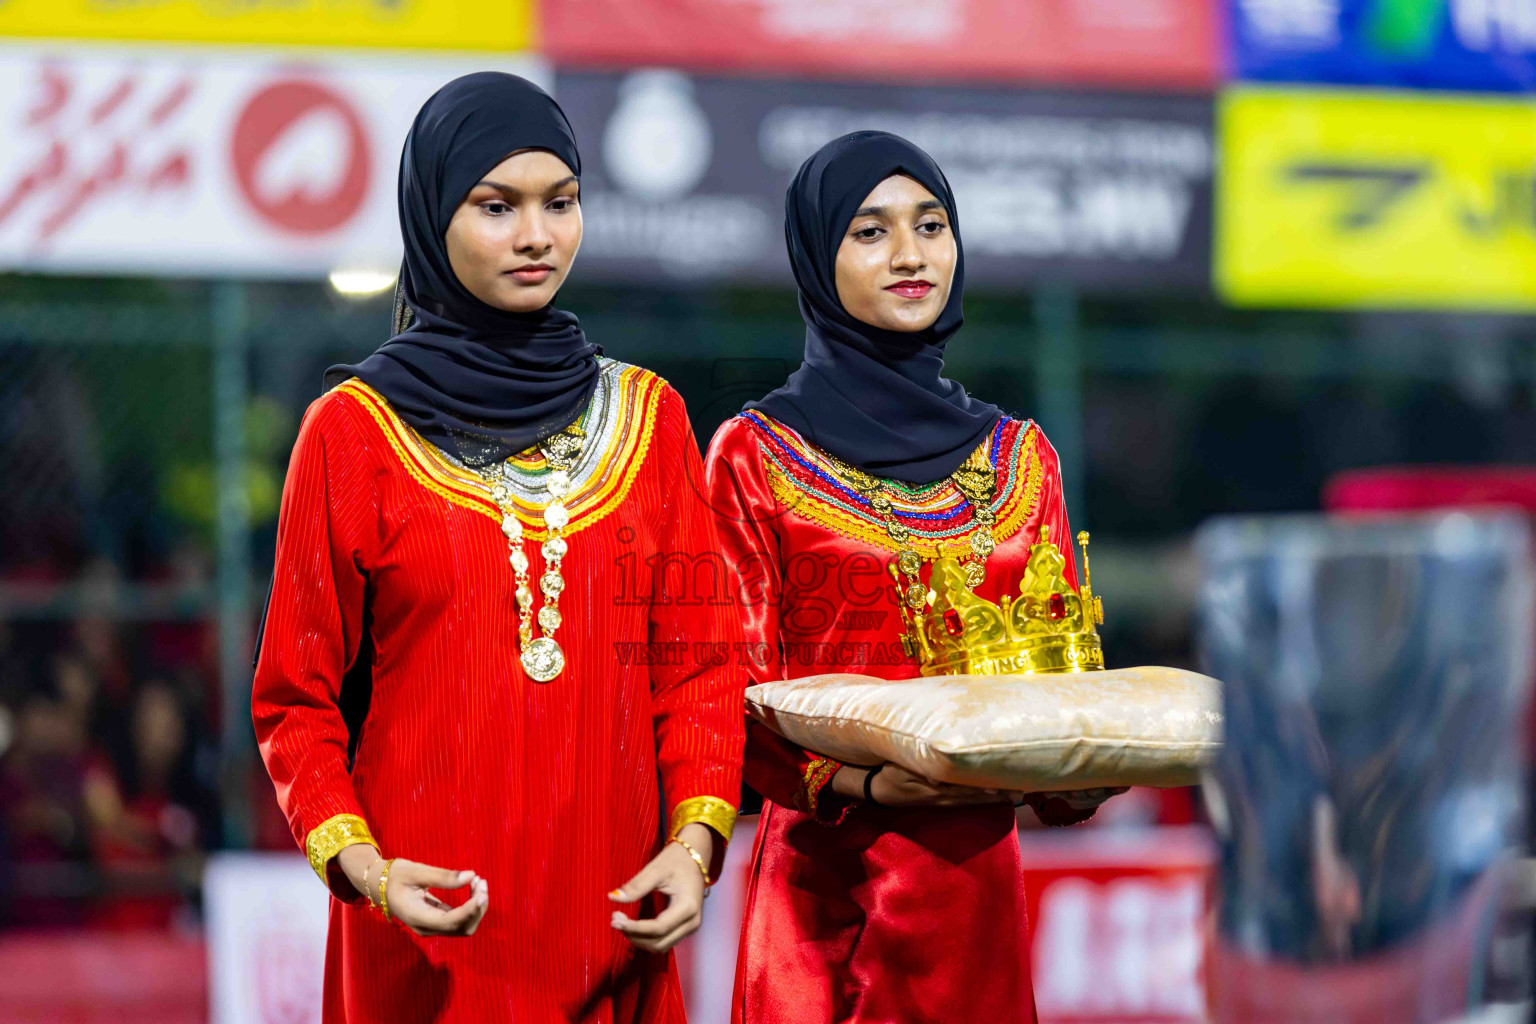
874	398
473	379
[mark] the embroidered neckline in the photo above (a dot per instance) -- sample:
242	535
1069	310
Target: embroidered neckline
619	423
601	419
939	517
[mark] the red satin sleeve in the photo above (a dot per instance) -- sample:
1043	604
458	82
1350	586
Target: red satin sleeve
696	697
326	533
1053	505
748	516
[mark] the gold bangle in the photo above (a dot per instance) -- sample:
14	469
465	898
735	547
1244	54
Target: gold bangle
703	868
383	888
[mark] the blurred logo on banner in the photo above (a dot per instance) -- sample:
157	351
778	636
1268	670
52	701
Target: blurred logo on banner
182	161
1099	190
1167	44
402	24
1359	199
287	130
657	145
1444	44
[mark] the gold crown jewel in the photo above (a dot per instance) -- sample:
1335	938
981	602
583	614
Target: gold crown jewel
1049	627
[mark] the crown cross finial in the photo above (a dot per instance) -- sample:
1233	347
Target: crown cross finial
1094	605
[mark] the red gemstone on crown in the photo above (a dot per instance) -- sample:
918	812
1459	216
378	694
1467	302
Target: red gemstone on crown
952	624
1058	606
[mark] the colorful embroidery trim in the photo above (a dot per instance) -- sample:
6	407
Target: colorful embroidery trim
940	518
816	775
619	423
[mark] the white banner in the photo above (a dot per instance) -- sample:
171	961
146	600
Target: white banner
205	162
266	917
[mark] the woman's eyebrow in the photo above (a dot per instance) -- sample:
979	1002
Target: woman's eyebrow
880	211
510	191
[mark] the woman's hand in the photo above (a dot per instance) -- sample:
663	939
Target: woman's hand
894	786
674	873
411	901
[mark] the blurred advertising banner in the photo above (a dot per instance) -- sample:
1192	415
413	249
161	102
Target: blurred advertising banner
1362	199
706	960
399	24
200	162
1436	44
266	922
1118	917
1142	43
684	177
1119	921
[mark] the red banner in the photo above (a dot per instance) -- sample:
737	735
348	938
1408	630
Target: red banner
1120	923
103	978
1167	44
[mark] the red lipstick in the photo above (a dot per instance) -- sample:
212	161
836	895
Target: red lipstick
910	289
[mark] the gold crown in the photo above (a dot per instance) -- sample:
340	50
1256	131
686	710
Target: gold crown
1049	627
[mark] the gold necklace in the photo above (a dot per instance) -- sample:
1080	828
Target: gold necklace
976	479
542	657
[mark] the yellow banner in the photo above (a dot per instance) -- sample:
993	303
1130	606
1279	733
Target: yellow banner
1376	199
401	24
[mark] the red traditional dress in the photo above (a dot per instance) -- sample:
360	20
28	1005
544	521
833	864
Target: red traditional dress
391	554
853	912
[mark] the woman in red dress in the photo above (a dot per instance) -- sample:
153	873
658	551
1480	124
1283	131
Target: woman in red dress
875	895
415	700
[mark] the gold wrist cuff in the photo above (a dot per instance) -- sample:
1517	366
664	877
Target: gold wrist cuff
331	836
706	810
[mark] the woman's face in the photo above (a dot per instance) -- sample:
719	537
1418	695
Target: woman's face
897	260
513	238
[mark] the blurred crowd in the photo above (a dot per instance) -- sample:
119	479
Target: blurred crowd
108	771
109	700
